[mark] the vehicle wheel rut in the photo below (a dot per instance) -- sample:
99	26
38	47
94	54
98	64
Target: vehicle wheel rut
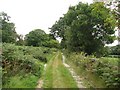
77	78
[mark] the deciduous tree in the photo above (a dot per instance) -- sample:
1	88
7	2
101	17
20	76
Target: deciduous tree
9	34
86	27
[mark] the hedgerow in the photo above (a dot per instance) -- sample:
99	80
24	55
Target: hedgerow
105	68
22	61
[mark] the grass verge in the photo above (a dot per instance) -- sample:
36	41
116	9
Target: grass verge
89	79
22	82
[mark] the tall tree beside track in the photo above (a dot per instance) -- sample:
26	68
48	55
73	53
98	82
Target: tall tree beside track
84	27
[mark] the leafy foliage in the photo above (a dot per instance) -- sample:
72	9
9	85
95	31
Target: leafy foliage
115	50
38	37
84	27
20	40
35	37
8	29
21	61
105	68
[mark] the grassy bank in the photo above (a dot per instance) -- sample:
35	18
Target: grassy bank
96	72
89	79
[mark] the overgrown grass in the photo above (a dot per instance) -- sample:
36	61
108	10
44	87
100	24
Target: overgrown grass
89	79
47	75
97	72
111	61
57	76
23	62
27	81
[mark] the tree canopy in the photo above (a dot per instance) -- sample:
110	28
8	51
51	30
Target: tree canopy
7	28
35	37
38	37
85	28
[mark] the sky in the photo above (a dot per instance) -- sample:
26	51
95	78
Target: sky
36	14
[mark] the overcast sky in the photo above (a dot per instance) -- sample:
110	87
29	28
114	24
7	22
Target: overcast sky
36	14
32	14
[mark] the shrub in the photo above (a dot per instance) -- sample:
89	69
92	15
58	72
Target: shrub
105	68
21	60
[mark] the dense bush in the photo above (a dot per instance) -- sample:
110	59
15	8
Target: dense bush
106	68
22	61
115	50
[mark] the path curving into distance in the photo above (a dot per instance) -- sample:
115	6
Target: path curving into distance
56	75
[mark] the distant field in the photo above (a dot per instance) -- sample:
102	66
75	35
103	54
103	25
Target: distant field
111	61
